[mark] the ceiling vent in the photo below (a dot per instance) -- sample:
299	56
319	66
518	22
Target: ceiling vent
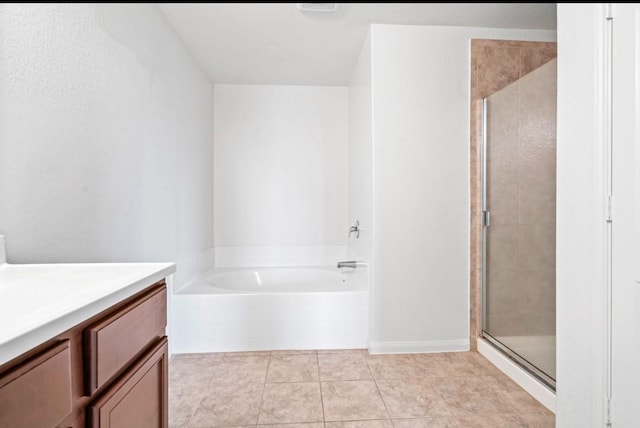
318	7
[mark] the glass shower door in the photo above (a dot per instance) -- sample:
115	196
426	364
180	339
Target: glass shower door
519	176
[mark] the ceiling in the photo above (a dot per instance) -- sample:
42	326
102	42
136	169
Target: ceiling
275	43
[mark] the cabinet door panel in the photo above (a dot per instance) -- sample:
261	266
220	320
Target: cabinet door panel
139	398
37	393
141	323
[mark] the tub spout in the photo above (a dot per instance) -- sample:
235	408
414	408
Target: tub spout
351	264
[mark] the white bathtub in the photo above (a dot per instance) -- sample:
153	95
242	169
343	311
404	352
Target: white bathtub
250	309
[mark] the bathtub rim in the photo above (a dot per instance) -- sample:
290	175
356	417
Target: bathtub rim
359	283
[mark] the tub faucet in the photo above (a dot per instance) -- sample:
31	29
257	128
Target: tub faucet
355	229
351	264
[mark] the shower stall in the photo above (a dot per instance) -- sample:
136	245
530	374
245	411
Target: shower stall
518	220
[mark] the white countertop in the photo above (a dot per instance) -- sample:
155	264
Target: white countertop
40	301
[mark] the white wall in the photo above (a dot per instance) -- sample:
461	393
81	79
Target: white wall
106	128
280	166
580	272
361	156
421	78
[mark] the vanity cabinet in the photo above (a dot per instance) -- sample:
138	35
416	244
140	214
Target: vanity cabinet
137	399
117	338
37	393
108	371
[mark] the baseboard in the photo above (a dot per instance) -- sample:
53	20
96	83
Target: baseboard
539	391
429	346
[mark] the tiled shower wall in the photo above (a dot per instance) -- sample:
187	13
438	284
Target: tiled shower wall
495	64
521	169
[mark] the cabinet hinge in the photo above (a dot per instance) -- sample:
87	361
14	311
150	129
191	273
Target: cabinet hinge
609	11
607	412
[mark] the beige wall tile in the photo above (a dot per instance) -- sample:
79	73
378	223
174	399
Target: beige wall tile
537	161
502	248
537	201
538	323
537	247
537	292
503	297
534	57
534	159
497	67
504	324
542	79
503	201
538	119
502	117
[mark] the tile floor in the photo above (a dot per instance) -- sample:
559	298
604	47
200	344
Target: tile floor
346	389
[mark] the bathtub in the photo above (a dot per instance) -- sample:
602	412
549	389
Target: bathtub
269	308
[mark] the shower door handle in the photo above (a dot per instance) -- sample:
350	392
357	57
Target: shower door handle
486	218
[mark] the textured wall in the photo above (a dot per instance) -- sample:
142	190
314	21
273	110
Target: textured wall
361	156
106	130
421	88
280	166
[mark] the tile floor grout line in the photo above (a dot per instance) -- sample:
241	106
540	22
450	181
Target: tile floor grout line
429	381
324	418
264	387
444	400
386	409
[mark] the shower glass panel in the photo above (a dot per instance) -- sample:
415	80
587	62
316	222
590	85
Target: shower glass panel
519	182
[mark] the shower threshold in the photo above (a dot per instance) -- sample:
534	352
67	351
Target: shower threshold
541	349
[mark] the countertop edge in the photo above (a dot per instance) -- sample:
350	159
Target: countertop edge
29	340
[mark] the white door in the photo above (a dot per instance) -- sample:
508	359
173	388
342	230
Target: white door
625	351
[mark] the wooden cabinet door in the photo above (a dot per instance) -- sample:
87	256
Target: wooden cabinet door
139	399
140	323
38	392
